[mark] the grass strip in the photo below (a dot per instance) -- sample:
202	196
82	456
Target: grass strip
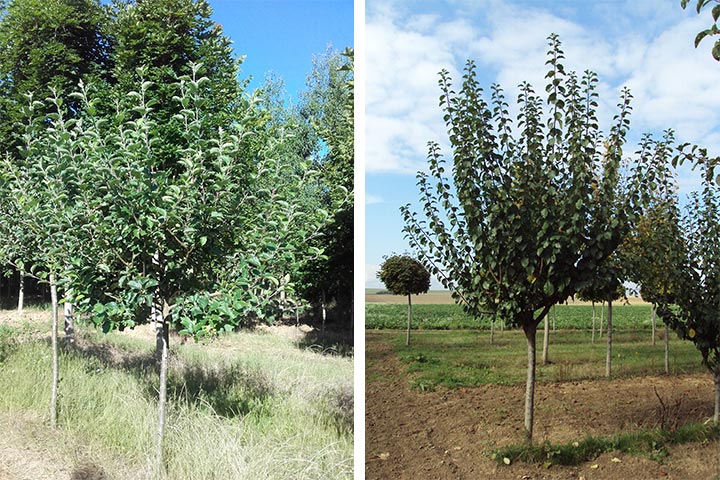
651	443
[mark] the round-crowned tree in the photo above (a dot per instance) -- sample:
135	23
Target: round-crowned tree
403	275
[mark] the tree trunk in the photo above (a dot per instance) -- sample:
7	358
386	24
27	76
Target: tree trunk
554	318
324	314
602	312
608	359
21	293
409	317
667	349
653	320
69	317
492	331
530	331
546	340
164	342
593	324
55	363
716	378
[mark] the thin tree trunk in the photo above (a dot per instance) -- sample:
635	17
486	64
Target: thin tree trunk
716	378
164	340
602	312
554	318
530	332
69	317
492	331
21	293
55	363
546	340
608	359
593	324
409	317
653	319
324	314
667	350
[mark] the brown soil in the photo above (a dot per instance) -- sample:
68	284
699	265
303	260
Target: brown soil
449	434
441	297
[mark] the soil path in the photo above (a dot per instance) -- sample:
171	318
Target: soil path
449	434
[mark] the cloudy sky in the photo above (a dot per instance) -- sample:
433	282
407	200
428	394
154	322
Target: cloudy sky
646	45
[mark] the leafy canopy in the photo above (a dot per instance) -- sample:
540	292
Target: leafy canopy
403	275
532	211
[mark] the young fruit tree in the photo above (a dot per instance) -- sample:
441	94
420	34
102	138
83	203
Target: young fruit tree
535	210
403	275
655	248
691	303
200	239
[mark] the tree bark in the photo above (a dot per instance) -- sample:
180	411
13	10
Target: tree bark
546	340
602	312
68	310
492	331
409	318
530	332
653	320
164	340
55	363
554	309
324	314
21	293
716	378
608	359
667	350
592	340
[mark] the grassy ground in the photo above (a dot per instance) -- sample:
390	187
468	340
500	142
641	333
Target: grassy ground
244	406
465	358
451	316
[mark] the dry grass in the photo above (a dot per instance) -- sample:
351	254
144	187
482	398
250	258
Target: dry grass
243	406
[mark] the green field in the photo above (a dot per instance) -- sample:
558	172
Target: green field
451	317
465	358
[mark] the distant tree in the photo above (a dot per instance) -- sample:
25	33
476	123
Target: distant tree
523	228
656	247
403	275
691	307
713	30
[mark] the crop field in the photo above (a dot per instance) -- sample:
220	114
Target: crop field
451	316
245	405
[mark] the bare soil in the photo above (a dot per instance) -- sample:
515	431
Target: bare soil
442	297
449	434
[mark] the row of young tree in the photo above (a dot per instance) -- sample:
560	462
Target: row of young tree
142	180
534	212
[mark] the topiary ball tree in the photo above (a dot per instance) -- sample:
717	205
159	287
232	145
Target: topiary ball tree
403	275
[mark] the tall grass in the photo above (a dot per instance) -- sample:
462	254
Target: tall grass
245	407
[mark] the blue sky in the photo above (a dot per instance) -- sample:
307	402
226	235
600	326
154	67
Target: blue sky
281	36
646	45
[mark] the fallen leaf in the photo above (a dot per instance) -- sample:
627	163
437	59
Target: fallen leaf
595	467
615	459
506	460
575	444
384	456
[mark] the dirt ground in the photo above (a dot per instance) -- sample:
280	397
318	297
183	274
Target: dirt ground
440	297
449	434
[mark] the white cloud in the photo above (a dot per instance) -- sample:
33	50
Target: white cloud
371	280
635	43
373	199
